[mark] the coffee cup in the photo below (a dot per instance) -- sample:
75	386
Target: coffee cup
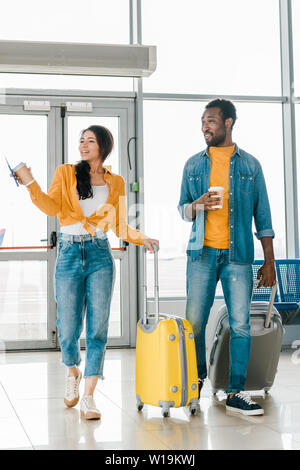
18	167
22	172
220	191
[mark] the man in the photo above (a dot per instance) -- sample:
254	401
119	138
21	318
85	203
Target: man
221	244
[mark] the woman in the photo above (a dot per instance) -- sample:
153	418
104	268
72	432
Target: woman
89	200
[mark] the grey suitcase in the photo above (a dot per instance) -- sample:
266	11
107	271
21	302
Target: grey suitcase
266	340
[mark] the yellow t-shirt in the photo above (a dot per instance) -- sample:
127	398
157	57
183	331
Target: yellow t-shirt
217	222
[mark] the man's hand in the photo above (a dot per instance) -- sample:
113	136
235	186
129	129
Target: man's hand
267	274
204	203
208	200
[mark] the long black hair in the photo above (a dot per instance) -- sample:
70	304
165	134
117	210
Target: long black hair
105	141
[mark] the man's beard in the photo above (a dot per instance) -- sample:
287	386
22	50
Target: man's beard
217	140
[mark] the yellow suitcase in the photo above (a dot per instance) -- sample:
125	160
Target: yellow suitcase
166	366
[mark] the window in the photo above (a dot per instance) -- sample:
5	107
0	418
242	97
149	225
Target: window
214	47
172	134
23	138
23	300
258	130
94	21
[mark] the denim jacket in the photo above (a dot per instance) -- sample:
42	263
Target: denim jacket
248	198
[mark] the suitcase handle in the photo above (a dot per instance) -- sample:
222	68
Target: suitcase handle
271	301
156	287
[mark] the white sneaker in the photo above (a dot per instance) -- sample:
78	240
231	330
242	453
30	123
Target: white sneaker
88	408
72	390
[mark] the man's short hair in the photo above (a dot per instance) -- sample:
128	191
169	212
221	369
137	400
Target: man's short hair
227	108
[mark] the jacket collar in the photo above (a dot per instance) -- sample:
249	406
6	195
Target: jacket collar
107	169
236	151
107	173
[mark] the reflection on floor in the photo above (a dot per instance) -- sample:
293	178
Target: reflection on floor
33	415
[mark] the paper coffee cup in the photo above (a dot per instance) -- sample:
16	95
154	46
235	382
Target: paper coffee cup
18	167
23	174
220	191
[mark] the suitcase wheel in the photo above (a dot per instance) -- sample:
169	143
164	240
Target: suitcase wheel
165	411
139	404
193	406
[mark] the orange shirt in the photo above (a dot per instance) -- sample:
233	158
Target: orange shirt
217	222
62	200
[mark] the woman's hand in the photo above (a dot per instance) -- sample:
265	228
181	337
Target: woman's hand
149	242
24	175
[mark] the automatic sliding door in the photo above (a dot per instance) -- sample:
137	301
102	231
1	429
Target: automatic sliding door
27	262
114	121
24	273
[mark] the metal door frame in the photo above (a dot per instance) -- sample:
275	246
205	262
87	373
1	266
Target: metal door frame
116	104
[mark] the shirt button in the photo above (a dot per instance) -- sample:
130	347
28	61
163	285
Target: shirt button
231	226
231	243
230	194
231	210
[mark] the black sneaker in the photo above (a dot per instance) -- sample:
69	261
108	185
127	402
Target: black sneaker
242	403
200	385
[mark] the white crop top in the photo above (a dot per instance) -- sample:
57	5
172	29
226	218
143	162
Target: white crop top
88	206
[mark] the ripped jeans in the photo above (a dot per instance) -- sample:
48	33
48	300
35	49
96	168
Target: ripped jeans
202	278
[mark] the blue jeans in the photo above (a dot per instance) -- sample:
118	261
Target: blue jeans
84	279
236	279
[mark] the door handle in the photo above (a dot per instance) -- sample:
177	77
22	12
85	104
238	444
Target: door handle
53	239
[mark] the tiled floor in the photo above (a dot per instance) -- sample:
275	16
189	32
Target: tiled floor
33	415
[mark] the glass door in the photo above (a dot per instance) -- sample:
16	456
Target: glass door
27	311
44	140
118	117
